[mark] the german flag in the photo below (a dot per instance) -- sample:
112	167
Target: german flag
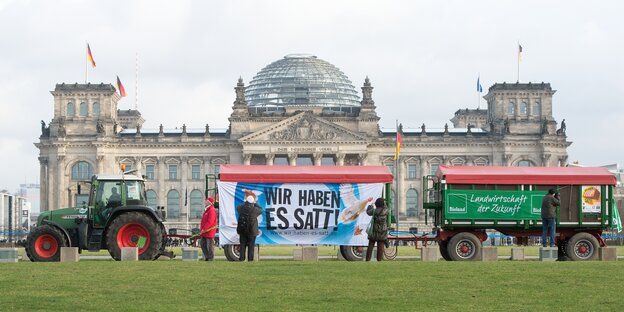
90	56
120	87
399	140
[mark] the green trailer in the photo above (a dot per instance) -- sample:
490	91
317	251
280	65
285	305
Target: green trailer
465	202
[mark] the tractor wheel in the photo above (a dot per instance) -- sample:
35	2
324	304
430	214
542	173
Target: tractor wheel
464	246
232	252
353	253
129	230
44	244
582	246
444	252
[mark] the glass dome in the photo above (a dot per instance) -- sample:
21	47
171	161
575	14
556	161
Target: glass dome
301	80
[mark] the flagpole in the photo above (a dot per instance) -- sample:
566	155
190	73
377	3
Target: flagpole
396	180
86	63
478	92
136	83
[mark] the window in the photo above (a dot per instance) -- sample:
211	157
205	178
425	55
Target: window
511	108
71	109
391	168
149	172
81	171
434	168
537	108
173	204
128	167
304	160
524	108
328	160
152	200
411	171
280	160
83	109
173	172
197	204
412	203
524	163
195	172
96	109
217	169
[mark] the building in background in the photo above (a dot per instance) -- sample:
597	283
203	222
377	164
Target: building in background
11	206
31	191
298	110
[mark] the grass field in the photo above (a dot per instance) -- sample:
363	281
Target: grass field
312	286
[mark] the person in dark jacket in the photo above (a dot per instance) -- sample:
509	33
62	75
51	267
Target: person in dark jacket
208	229
549	214
248	235
380	228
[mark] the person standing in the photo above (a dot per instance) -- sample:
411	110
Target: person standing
247	227
549	215
208	229
379	232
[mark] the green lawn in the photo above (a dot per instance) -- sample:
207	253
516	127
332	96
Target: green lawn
312	286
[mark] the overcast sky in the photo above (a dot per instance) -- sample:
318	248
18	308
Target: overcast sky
423	59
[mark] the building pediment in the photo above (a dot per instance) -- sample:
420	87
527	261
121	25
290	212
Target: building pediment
303	127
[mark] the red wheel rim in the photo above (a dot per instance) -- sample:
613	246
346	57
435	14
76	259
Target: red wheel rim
46	246
129	234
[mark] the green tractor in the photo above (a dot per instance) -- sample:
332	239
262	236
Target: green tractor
116	216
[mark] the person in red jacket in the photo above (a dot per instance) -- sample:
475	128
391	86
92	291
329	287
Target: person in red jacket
208	230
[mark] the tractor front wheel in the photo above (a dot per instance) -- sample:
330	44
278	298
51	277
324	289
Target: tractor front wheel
232	252
135	229
44	244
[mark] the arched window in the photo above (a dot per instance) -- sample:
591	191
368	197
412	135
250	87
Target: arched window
96	108
81	171
524	108
511	108
412	202
71	109
524	163
83	109
152	201
173	204
197	204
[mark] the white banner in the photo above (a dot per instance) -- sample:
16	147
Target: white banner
333	214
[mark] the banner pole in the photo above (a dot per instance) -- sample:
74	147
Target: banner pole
396	179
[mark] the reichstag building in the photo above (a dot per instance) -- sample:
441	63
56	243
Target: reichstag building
298	110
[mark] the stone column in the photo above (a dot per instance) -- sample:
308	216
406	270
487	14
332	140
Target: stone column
269	158
292	159
138	165
340	157
50	187
317	158
99	164
59	186
545	159
247	159
44	184
362	159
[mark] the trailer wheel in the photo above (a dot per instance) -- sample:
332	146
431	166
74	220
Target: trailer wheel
444	252
232	252
582	246
352	253
44	244
562	254
126	231
464	247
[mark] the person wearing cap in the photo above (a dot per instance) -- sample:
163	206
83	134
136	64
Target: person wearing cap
248	213
208	229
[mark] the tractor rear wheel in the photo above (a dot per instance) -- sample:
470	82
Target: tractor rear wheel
464	246
44	244
135	229
582	246
232	252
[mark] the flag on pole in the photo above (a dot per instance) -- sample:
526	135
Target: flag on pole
90	56
615	218
399	139
120	87
519	52
479	86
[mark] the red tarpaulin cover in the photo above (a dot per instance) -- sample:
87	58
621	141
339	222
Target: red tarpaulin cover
526	175
305	174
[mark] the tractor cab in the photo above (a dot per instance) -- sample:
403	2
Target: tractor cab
108	192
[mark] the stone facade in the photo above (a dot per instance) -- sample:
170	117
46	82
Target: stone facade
85	138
